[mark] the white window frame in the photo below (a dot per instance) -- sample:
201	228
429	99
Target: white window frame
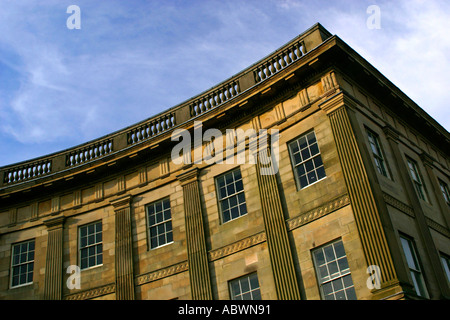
445	259
229	196
445	193
334	278
87	246
256	291
20	264
414	266
302	162
377	153
417	180
164	223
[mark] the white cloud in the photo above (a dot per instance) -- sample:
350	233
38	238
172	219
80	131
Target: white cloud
127	63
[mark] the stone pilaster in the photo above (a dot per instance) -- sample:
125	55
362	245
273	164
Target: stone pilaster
416	206
54	262
280	251
366	208
123	249
199	273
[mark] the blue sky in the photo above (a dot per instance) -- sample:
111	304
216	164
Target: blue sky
133	59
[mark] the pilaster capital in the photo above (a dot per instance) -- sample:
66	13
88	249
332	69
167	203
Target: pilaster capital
121	203
427	159
188	176
337	101
55	223
391	132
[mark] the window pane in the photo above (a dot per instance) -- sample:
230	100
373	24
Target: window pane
320	173
337	284
327	288
232	202
302	142
307	170
305	154
311	138
329	253
332	268
297	158
413	264
22	262
408	253
340	295
256	295
234	213
326	265
90	244
339	249
245	285
246	288
320	259
160	228
446	263
303	181
351	295
220	182
239	186
226	216
294	147
347	281
343	264
309	165
237	174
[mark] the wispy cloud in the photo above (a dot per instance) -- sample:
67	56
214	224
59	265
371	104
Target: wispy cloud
133	59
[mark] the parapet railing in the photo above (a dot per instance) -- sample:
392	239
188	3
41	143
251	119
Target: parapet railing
163	122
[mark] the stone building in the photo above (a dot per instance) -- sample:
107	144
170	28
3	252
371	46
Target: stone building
356	208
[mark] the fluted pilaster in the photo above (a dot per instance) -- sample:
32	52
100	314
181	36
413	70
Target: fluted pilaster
124	249
280	251
362	198
54	262
199	273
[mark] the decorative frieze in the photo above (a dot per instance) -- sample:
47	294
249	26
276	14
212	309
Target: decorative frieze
92	293
142	176
399	205
12	217
329	82
237	246
34	211
121	184
161	273
318	212
164	170
77	199
303	97
55	206
99	192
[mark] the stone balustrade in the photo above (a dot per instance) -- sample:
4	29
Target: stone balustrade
27	171
90	152
167	121
151	128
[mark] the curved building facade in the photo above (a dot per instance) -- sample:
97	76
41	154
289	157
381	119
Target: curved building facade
308	175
